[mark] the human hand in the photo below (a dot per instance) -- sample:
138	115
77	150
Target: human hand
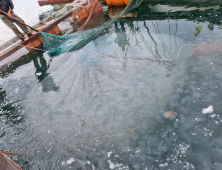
0	10
9	15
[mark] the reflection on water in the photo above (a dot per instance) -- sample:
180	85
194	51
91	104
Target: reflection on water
102	107
184	2
44	78
121	39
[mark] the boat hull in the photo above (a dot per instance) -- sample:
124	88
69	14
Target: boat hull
7	164
47	2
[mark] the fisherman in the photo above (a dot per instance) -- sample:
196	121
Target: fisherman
7	7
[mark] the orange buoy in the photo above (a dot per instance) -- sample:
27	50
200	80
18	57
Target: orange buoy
117	2
113	11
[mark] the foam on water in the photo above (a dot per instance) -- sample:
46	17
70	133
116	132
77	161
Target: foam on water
209	109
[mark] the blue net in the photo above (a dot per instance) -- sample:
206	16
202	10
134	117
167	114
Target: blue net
60	44
56	45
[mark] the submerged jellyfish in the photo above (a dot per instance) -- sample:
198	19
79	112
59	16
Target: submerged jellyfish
170	114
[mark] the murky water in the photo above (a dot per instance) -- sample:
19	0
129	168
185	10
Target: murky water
103	106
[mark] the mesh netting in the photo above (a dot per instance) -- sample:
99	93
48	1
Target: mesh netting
57	45
54	43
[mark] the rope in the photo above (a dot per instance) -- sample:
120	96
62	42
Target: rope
164	59
56	51
78	3
170	59
90	14
132	4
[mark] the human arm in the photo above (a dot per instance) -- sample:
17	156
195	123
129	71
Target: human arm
11	7
9	13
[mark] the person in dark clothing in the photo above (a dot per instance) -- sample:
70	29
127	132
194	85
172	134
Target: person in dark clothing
7	6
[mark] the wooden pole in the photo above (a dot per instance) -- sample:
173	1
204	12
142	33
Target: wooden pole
21	22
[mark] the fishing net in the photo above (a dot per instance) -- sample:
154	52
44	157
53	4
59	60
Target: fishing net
55	44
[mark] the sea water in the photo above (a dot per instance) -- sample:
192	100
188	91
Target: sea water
102	107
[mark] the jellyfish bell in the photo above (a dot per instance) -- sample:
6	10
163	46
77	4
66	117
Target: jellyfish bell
170	114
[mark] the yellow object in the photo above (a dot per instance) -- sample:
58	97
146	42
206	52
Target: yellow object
117	2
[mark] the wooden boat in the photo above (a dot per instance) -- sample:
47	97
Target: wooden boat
47	2
113	11
50	25
6	163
